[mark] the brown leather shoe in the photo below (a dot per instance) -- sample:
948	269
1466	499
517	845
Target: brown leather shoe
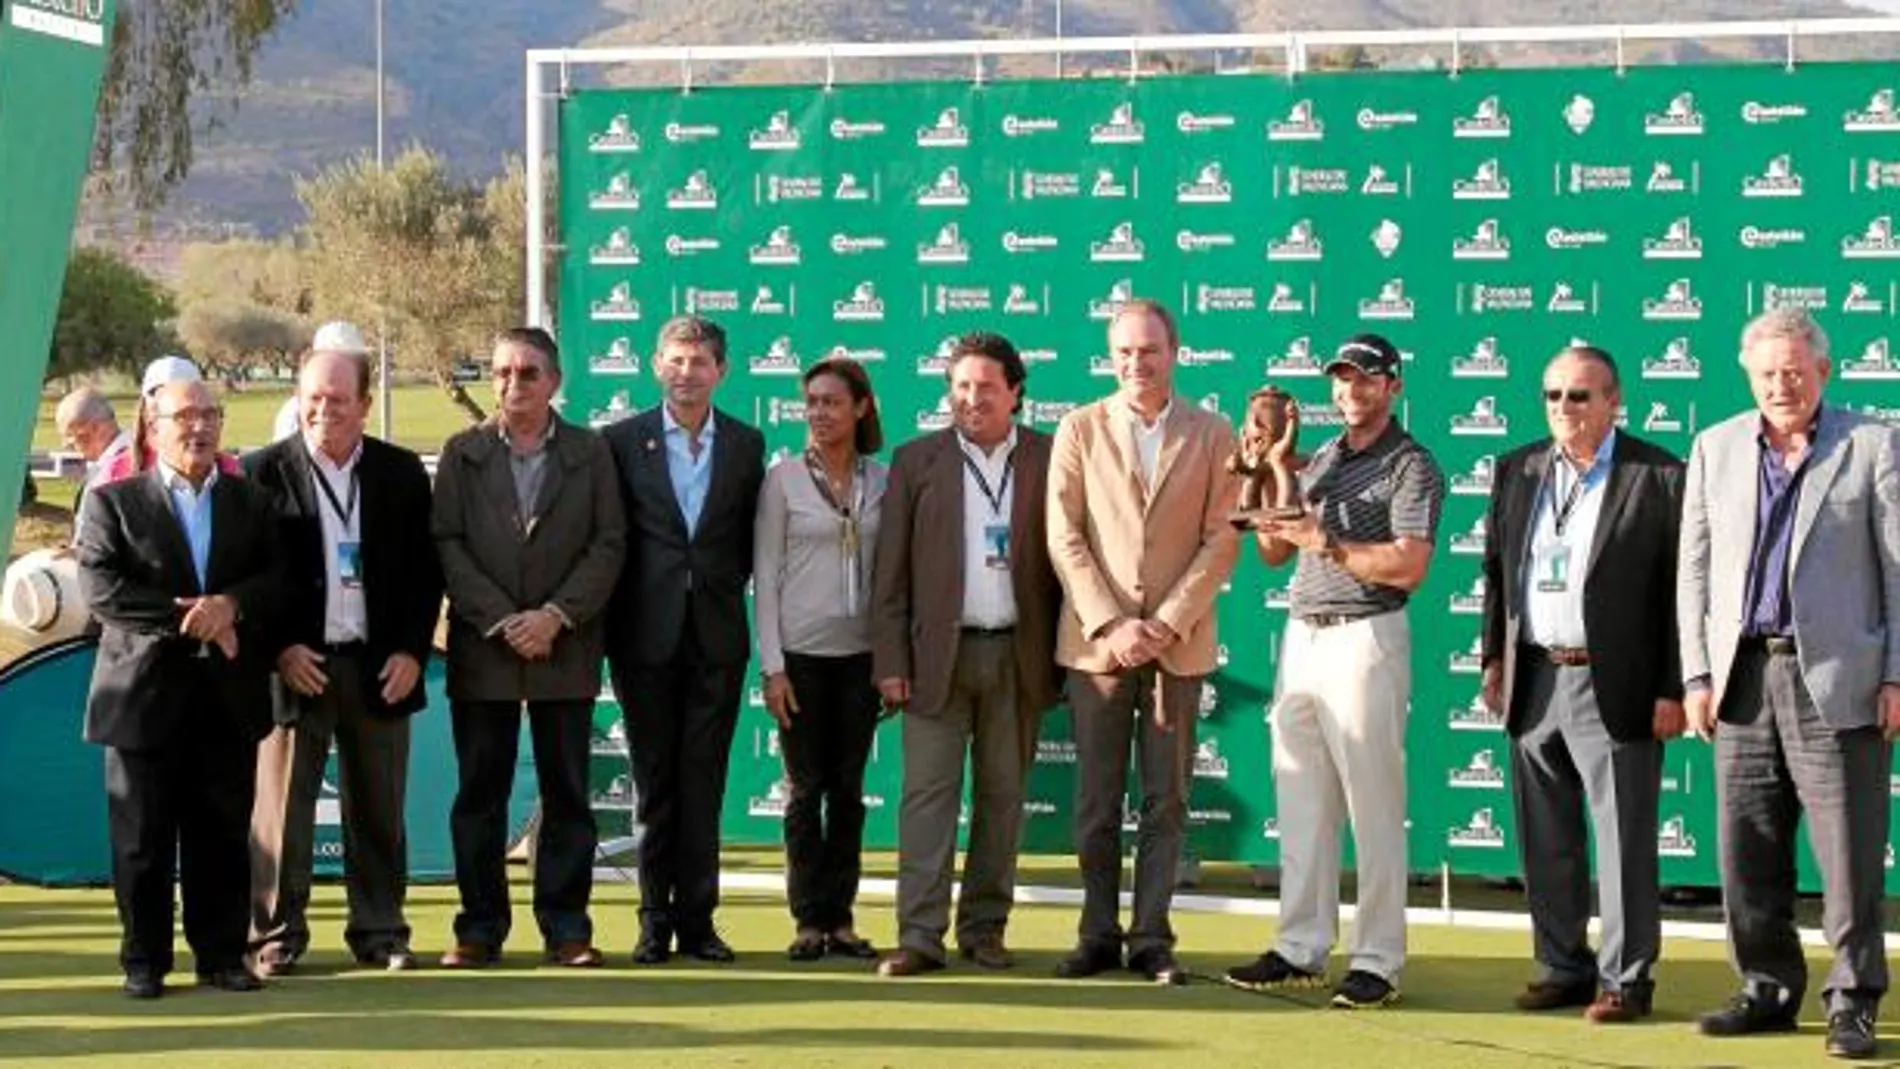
1544	995
908	963
988	954
575	954
1613	1007
470	956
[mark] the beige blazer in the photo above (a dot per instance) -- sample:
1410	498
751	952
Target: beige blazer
1121	548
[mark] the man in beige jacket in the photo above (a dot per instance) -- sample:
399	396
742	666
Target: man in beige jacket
1138	502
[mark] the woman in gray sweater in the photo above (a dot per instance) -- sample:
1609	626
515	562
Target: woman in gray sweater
816	531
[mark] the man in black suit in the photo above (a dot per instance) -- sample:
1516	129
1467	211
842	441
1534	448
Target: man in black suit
677	636
366	591
1580	654
179	567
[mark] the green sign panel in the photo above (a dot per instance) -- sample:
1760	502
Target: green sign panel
52	53
1481	222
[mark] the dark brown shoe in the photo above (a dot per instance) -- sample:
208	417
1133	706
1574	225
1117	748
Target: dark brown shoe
470	956
1544	995
989	954
1614	1007
908	963
575	954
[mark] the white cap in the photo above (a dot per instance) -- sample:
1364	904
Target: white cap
166	370
339	337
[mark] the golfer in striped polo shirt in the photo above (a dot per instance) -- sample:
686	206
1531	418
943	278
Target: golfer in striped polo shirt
1372	498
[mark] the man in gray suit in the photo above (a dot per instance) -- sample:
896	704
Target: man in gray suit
1788	586
1580	657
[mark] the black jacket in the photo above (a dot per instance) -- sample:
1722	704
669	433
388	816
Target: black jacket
1629	580
150	687
666	568
402	579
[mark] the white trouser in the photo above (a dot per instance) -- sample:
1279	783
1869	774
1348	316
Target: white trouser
1339	710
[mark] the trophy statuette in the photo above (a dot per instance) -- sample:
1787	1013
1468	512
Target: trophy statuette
1265	459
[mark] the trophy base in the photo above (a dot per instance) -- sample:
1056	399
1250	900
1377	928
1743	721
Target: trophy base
1250	519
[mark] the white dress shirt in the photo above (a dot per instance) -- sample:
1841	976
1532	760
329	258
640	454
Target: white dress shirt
989	601
1148	441
345	619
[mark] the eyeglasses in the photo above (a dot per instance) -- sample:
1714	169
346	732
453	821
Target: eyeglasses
1575	397
519	374
185	417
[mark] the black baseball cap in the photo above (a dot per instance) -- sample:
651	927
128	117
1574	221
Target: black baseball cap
1370	353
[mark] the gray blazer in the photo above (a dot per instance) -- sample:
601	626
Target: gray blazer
568	552
1843	573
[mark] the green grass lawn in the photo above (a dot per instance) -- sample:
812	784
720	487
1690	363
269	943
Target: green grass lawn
422	417
59	1003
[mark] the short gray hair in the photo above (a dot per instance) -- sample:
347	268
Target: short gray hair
697	330
84	405
1789	323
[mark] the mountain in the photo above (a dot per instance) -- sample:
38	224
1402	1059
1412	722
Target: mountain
454	67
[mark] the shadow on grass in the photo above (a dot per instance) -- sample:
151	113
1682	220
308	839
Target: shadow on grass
498	1012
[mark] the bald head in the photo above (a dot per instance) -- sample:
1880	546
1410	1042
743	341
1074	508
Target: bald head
187	425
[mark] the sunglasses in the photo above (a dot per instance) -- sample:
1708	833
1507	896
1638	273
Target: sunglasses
1575	397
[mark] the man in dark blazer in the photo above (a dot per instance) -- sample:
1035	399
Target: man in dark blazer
366	591
1580	655
963	613
179	567
531	534
678	642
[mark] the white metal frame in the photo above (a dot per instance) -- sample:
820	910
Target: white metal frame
1294	44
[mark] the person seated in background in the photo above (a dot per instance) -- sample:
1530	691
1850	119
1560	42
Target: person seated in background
87	425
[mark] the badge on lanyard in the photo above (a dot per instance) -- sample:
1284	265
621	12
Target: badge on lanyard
1553	568
349	565
996	546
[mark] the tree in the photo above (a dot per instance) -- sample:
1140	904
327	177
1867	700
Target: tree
110	316
437	259
244	302
233	334
267	273
165	54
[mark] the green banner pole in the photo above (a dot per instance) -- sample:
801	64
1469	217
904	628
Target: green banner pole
52	56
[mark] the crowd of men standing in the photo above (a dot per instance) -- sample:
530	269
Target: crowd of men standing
251	615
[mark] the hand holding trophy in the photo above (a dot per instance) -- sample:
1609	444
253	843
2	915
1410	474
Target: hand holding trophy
1266	459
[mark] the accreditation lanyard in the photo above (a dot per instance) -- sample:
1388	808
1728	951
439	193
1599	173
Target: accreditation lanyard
996	531
850	516
1552	563
349	551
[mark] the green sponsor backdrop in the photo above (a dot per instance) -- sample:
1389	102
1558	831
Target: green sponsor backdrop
51	55
1481	222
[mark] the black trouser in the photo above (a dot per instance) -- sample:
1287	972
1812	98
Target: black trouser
487	739
190	802
825	751
680	718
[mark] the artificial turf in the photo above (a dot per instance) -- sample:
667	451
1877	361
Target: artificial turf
59	1003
